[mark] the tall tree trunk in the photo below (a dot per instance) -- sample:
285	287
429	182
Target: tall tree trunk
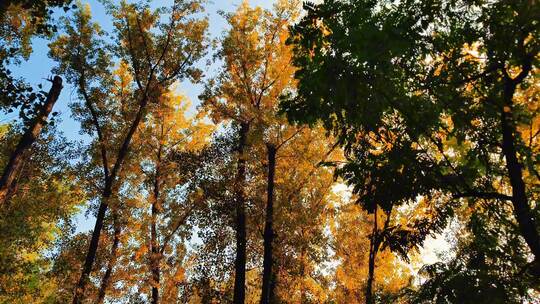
241	238
155	260
106	280
155	254
268	228
20	155
522	209
80	289
373	248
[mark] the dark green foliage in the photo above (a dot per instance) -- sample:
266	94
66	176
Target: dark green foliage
420	93
488	268
40	214
40	11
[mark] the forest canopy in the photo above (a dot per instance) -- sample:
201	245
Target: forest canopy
337	151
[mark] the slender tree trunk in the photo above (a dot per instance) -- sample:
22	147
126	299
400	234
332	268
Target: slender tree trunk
155	264
371	274
20	155
373	248
522	209
80	289
241	238
106	280
155	254
268	228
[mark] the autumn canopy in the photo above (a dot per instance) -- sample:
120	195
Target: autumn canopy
343	151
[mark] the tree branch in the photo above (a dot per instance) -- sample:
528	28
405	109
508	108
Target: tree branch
484	195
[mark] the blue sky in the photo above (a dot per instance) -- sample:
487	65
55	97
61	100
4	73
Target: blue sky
39	66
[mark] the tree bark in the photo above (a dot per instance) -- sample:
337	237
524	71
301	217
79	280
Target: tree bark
241	238
522	209
106	280
155	254
155	262
80	289
20	155
268	228
373	248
